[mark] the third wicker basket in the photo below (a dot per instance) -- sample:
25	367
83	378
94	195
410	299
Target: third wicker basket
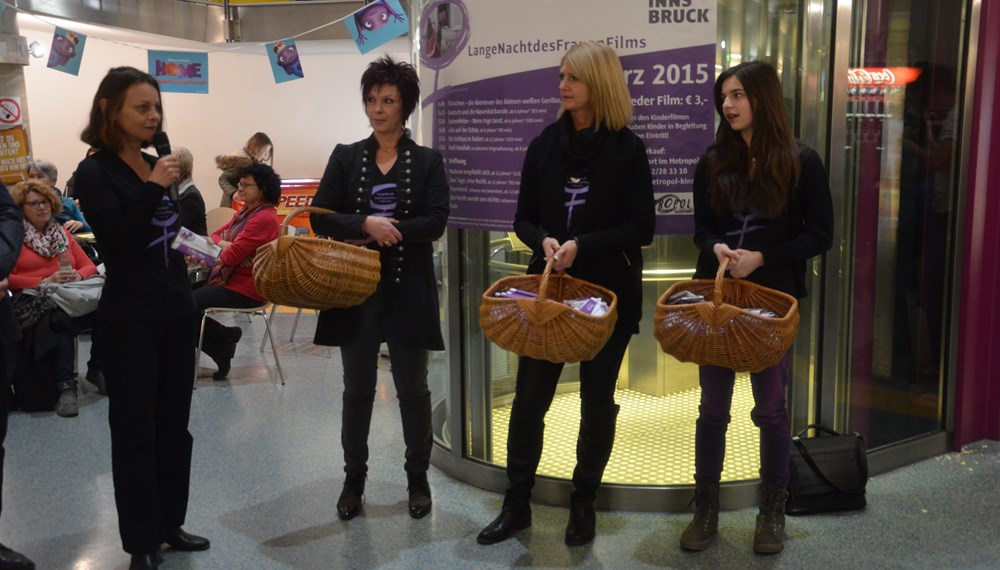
545	328
721	331
314	273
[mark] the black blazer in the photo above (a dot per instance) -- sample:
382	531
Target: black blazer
11	239
408	283
617	220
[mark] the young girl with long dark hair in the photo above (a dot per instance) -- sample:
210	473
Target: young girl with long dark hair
762	200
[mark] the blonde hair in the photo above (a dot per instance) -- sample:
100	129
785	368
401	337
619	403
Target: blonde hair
601	71
185	161
21	190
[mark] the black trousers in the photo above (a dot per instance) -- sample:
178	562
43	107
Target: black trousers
534	391
4	406
148	369
409	374
214	343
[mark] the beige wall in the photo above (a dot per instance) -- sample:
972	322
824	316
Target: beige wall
305	118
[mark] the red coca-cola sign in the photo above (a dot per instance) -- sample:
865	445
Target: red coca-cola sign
881	77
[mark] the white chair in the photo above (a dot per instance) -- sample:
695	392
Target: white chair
217	217
261	310
295	325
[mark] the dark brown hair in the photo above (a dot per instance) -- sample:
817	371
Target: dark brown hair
772	151
102	131
387	71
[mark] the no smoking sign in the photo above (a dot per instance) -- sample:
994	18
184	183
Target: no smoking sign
10	111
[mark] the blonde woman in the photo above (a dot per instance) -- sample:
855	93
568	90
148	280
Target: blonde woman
586	200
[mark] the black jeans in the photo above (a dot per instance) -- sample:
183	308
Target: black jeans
4	406
147	366
534	391
214	343
409	374
65	351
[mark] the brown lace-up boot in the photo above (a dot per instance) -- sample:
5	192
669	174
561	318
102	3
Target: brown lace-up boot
769	537
699	534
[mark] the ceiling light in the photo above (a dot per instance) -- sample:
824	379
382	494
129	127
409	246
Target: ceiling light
37	50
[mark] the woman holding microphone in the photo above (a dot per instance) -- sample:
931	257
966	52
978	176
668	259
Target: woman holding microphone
146	312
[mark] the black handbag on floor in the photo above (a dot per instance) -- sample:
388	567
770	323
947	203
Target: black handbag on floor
827	473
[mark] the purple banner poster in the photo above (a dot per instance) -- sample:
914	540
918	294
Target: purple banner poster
489	89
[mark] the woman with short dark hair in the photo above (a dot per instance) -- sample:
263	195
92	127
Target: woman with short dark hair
230	283
390	195
146	310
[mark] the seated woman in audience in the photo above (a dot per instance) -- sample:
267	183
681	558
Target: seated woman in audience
39	262
192	205
230	284
71	217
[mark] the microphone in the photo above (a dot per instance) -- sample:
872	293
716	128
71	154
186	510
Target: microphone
162	145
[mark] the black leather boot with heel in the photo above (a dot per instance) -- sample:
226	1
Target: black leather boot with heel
352	496
593	450
419	491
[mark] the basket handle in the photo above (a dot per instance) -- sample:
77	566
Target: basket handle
291	216
544	285
719	276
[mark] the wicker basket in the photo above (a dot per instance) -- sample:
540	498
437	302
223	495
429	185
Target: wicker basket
545	328
314	273
720	332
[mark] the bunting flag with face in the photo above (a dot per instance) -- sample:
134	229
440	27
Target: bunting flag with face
285	62
67	51
377	23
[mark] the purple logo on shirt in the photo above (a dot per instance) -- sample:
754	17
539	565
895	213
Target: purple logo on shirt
164	217
383	201
745	218
577	189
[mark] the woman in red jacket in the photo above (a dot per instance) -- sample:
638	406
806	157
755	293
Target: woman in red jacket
45	242
230	283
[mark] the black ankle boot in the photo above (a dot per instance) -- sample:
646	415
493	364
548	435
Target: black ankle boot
420	494
224	365
582	521
223	355
512	519
352	497
14	560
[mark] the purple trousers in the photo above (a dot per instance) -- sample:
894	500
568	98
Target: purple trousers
770	414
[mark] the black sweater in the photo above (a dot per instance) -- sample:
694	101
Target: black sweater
804	231
616	220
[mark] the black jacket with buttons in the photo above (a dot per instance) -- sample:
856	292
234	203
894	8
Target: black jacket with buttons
408	286
11	238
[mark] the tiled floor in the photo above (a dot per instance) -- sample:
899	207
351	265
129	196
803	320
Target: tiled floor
267	473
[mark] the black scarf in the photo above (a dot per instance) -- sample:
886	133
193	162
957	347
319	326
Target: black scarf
579	148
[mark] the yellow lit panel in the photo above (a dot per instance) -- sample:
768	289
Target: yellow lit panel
655	439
